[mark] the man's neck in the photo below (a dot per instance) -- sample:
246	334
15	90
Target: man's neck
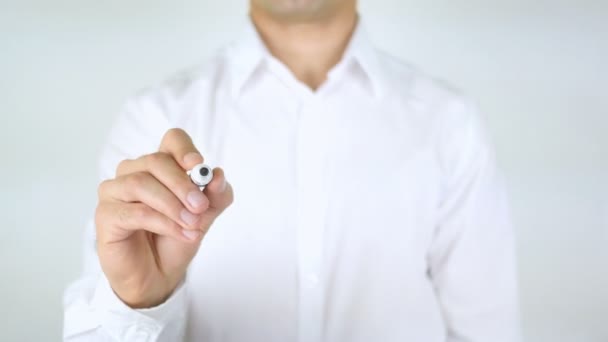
308	48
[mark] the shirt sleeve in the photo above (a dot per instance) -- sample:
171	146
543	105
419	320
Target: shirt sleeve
472	255
92	311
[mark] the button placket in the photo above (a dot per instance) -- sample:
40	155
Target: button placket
312	192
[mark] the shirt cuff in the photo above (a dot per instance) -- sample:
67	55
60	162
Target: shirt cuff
126	324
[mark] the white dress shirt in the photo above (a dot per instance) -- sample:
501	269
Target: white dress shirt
368	210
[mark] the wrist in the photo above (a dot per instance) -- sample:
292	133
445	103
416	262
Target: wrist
143	298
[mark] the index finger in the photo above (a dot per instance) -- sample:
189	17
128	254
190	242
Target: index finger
179	145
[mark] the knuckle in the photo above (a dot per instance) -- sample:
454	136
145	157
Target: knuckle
123	214
155	159
122	166
106	216
132	214
100	222
137	180
100	215
139	212
173	134
102	188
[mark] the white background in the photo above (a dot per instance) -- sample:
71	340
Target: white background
537	68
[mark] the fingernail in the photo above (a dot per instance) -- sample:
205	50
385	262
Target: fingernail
196	198
188	217
193	158
223	186
191	234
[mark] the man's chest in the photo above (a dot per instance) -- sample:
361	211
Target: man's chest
336	170
328	197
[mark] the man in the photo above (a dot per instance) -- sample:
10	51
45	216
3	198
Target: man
367	206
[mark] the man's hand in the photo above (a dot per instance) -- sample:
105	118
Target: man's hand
151	219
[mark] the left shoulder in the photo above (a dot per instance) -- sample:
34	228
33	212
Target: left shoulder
403	79
453	117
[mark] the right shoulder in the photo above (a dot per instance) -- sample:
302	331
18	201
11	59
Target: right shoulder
150	112
184	87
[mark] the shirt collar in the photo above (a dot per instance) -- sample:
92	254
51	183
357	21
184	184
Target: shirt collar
245	55
249	52
362	52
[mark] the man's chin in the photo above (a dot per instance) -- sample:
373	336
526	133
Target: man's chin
297	10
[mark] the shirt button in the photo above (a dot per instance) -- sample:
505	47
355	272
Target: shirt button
141	332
